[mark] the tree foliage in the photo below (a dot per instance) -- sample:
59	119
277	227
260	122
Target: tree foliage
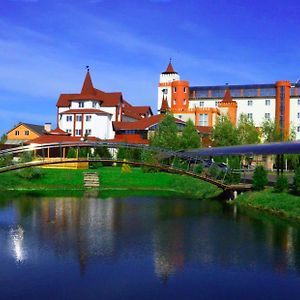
246	131
296	182
270	132
224	133
190	138
3	139
260	178
166	135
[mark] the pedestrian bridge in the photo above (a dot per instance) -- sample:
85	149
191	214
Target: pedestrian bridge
178	162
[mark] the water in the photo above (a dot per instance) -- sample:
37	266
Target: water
144	248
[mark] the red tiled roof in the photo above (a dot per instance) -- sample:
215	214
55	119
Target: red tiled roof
135	112
164	105
85	111
129	138
227	96
87	87
169	69
88	92
58	131
141	124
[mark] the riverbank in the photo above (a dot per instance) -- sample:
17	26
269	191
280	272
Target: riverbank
280	204
111	179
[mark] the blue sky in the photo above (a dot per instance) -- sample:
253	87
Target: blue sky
46	44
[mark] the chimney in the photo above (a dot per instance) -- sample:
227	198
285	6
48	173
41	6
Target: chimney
47	127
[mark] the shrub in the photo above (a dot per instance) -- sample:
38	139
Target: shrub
26	157
71	153
281	184
198	169
126	168
30	173
296	183
150	158
260	178
6	160
96	164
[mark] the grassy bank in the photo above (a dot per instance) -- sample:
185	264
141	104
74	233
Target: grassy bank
281	204
111	178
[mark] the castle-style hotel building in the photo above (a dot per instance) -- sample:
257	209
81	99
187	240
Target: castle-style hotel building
279	101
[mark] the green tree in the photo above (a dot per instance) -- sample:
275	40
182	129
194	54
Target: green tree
3	139
190	138
166	134
296	182
246	131
71	153
270	132
281	184
224	133
260	178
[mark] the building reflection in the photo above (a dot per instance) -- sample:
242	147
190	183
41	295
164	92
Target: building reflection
175	234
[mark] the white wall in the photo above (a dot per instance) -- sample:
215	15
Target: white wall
294	110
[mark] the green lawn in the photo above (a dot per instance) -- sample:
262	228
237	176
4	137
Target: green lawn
111	178
283	204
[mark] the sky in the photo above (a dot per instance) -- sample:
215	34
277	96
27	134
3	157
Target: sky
46	44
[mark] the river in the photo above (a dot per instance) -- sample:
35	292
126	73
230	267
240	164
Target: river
144	248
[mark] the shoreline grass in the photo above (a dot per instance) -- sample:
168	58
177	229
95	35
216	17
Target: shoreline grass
280	204
111	179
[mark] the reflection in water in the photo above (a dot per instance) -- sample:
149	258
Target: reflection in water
175	235
16	237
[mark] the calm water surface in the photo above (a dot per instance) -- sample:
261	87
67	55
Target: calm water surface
144	248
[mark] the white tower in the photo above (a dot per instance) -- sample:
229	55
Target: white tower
165	85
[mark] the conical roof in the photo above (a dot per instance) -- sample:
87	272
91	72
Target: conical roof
227	97
87	87
164	105
170	69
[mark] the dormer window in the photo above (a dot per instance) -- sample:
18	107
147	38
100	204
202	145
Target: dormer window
81	104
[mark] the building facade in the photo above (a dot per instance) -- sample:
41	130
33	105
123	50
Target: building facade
92	112
279	101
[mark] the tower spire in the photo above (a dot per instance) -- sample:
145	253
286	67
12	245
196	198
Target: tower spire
164	106
87	87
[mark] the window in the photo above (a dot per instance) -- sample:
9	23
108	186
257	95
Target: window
88	131
94	104
69	118
250	102
250	116
17	132
201	103
69	131
174	89
267	116
203	120
26	132
174	101
184	89
298	115
88	118
78	131
267	102
184	102
81	104
78	118
217	103
298	129
180	116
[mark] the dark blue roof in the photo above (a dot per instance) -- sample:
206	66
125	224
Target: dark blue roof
264	149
